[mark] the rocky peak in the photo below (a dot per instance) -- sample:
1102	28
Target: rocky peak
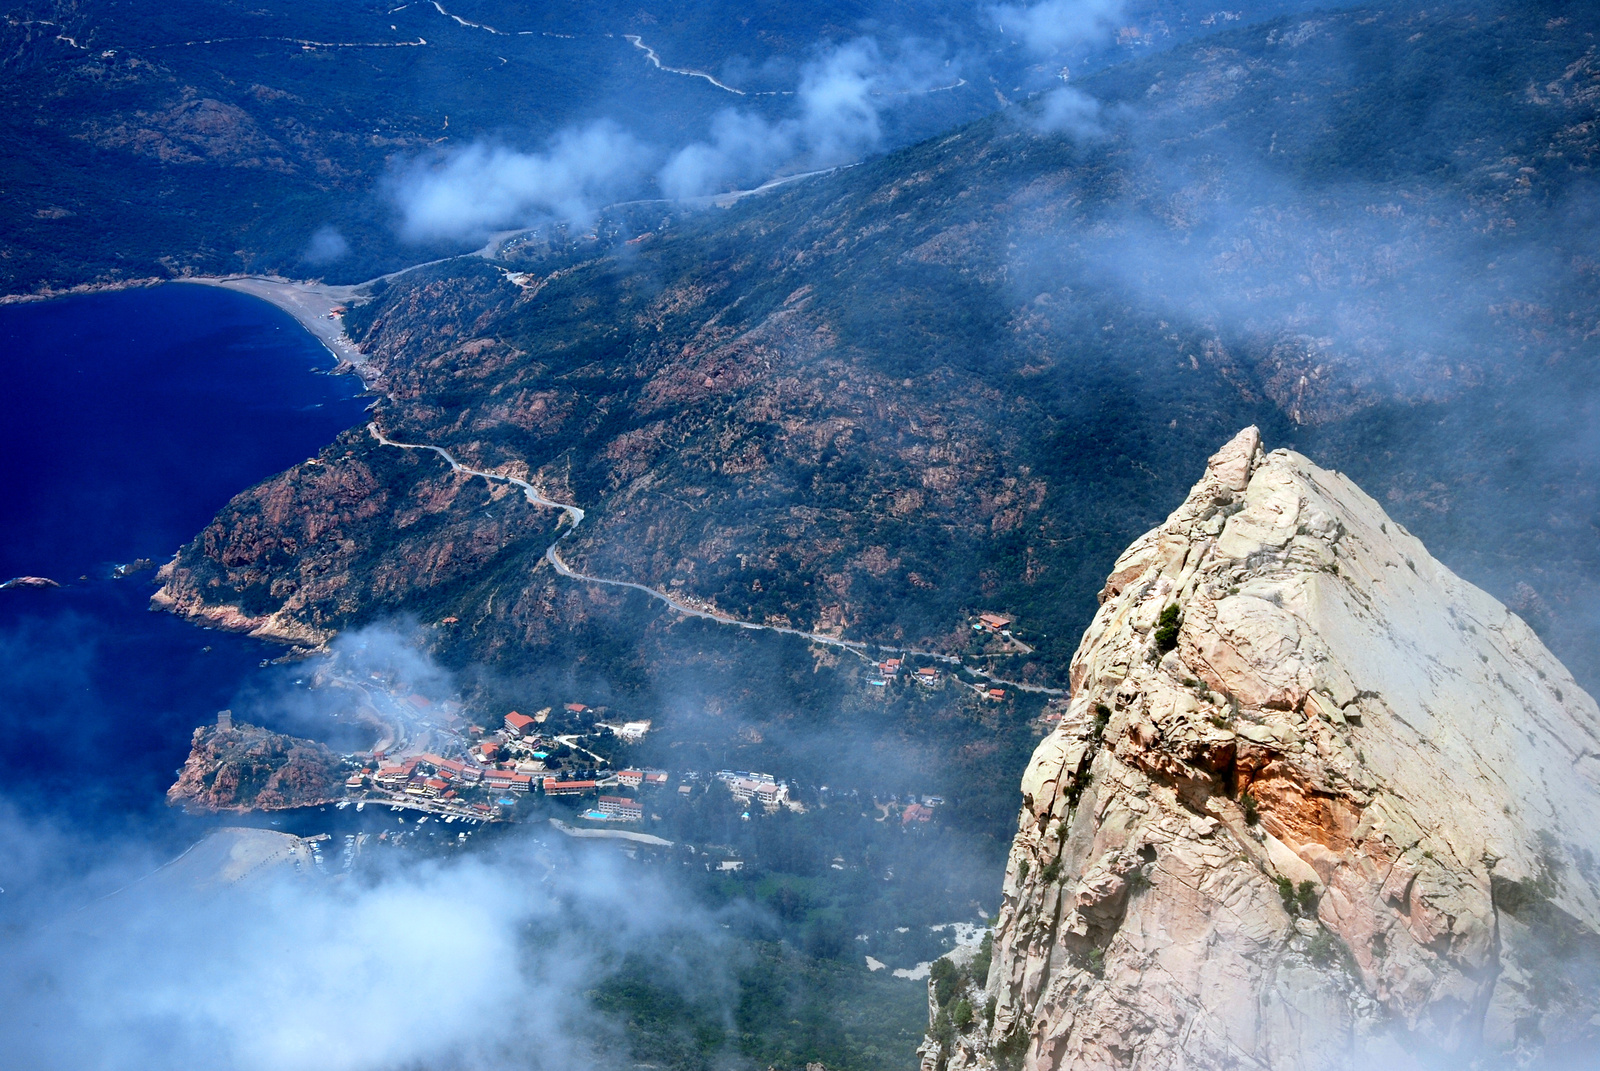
1317	802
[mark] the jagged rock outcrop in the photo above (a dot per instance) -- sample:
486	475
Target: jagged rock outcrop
244	768
1317	803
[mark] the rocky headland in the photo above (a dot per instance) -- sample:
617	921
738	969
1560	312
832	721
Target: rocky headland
246	768
1317	803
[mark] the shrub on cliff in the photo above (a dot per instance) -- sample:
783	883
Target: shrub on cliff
1167	629
946	980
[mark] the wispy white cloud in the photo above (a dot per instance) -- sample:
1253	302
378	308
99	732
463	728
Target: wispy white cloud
741	146
326	246
839	118
1054	25
417	963
842	94
1065	110
483	187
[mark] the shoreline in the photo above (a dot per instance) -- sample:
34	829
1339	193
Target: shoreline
311	304
315	306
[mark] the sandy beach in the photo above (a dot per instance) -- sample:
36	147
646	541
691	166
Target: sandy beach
313	304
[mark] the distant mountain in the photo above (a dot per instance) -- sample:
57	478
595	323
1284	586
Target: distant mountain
961	377
193	137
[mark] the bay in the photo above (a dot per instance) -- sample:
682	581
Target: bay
127	419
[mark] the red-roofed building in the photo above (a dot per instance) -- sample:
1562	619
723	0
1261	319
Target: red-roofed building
508	781
915	812
655	777
631	778
577	708
995	693
553	787
621	808
520	724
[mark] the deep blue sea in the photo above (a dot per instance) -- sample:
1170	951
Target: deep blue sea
126	421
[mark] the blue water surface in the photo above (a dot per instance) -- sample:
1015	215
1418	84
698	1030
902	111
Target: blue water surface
127	420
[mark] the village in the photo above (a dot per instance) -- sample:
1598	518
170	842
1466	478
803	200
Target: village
993	640
493	770
497	770
428	760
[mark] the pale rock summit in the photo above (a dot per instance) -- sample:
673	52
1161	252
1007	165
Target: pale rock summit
1339	814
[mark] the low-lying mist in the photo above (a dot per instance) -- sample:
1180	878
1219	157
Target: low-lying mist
481	960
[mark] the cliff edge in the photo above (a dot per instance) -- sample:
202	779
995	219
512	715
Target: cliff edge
1317	803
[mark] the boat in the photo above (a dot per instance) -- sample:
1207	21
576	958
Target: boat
360	805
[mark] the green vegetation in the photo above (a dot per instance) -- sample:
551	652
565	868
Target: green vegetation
1299	901
789	1010
951	985
945	978
1009	1050
1324	948
1247	804
979	969
1166	634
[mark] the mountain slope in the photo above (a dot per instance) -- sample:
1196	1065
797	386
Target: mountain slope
1317	803
961	377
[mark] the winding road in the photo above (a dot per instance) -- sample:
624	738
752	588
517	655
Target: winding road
574	516
688	72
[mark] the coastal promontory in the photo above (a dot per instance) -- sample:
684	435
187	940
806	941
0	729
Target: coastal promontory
240	767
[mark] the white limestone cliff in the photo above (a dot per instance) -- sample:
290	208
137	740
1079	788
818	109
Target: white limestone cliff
1345	818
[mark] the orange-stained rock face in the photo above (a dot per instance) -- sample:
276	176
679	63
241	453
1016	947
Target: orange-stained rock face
1319	828
1296	814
